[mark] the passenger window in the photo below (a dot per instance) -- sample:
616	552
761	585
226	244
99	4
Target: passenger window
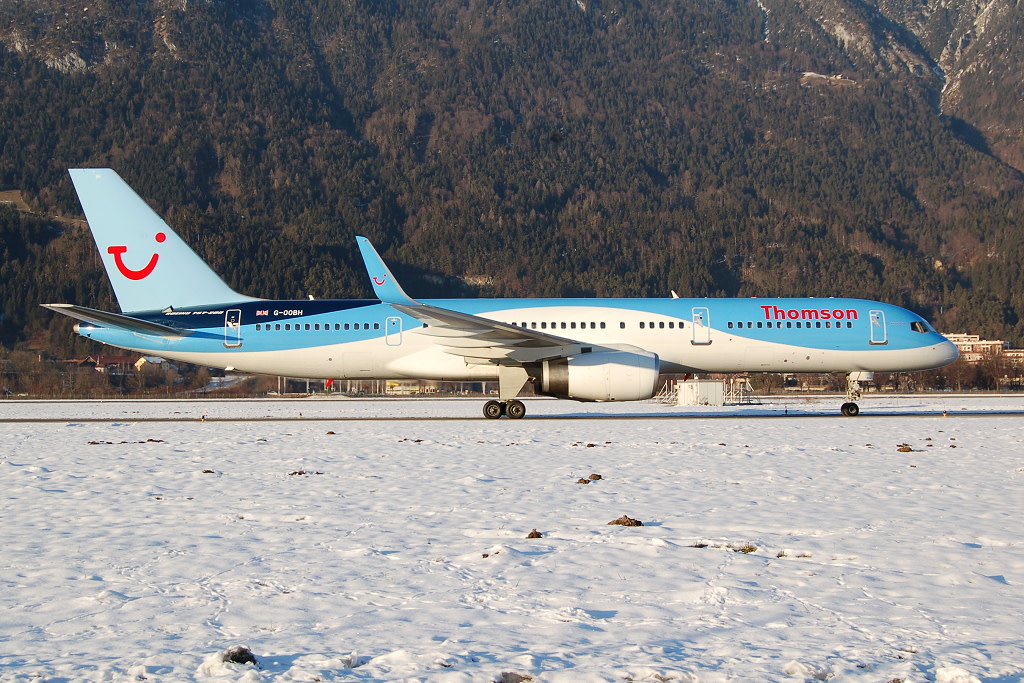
730	324
533	326
258	328
543	326
622	326
760	325
376	326
288	326
277	326
602	325
572	325
641	326
308	327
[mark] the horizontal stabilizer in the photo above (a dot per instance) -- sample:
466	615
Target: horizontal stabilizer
122	322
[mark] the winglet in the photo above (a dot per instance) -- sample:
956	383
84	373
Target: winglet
385	286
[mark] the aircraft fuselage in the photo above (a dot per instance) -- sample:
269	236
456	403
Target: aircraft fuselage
367	339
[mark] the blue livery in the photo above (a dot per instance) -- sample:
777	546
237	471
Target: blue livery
174	306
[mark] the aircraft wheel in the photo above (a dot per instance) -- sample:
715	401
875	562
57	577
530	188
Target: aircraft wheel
515	409
850	409
493	410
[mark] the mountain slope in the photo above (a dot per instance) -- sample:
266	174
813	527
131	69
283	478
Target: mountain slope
530	148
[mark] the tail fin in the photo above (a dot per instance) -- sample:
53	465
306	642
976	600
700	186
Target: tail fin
385	286
149	266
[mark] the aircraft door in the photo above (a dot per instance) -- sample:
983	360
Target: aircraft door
878	332
233	328
701	326
393	331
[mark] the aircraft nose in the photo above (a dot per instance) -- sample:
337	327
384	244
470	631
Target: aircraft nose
946	352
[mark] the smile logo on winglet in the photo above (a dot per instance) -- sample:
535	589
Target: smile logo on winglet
142	273
380	280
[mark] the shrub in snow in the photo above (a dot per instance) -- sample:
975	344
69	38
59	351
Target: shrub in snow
239	654
626	521
220	664
512	677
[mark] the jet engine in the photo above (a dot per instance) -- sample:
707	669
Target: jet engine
600	376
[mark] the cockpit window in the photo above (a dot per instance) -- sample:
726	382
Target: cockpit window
920	326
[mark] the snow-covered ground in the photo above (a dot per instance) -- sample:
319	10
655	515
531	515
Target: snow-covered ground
142	539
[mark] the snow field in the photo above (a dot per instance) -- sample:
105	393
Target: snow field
796	548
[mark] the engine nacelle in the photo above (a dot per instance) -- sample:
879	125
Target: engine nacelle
601	376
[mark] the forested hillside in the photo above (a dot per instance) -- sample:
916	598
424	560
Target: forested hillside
528	148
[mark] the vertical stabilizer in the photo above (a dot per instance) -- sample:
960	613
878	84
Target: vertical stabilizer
149	266
385	286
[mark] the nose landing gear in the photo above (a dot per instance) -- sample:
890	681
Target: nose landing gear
853	392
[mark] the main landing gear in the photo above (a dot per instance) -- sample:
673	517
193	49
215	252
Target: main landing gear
853	392
511	379
513	409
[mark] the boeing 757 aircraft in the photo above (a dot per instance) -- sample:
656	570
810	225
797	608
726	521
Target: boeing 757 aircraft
174	306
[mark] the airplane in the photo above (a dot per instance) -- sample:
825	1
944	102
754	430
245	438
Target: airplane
173	305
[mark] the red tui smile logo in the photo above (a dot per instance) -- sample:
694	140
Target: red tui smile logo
380	280
142	273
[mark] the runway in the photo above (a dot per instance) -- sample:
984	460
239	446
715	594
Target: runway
337	410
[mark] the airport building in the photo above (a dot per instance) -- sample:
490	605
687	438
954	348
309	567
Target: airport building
974	349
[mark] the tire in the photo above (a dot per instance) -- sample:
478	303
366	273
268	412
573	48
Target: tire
493	410
515	410
850	409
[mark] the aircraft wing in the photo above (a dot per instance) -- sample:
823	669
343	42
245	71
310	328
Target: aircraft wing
122	322
471	336
484	340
